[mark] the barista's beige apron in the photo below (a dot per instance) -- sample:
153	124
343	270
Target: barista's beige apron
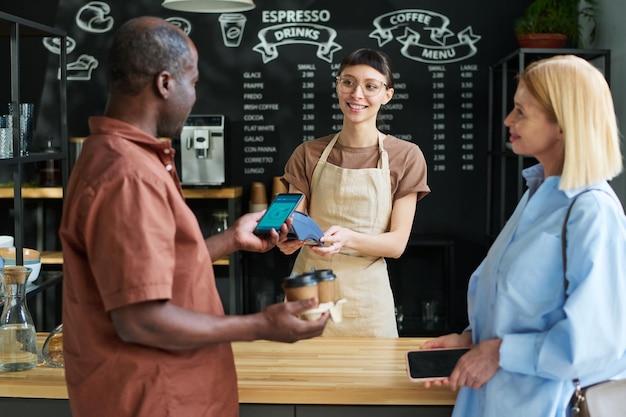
360	200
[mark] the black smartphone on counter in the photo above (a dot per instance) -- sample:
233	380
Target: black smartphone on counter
431	364
279	210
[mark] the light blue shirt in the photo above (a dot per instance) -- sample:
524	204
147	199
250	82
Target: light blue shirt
517	294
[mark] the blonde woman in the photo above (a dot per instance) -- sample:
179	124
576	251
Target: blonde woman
531	331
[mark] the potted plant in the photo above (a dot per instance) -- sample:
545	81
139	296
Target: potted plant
560	20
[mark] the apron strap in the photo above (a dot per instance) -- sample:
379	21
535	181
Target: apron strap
383	160
329	148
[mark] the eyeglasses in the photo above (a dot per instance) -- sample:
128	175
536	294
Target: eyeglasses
370	88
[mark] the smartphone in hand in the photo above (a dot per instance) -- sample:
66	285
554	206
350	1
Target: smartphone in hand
279	210
431	364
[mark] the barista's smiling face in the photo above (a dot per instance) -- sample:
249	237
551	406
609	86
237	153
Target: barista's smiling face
355	105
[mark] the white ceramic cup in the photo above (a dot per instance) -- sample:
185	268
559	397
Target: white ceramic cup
6	241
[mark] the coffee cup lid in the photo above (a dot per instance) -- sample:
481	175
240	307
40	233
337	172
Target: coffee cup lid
324	274
302	280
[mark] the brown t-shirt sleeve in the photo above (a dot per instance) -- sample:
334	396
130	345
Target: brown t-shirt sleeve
408	169
295	172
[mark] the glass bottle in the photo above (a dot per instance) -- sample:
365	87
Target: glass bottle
220	222
3	287
18	339
50	170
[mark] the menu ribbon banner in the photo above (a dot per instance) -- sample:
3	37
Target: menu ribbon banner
424	25
459	51
416	18
289	33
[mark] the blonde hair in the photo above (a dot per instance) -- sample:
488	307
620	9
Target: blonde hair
575	94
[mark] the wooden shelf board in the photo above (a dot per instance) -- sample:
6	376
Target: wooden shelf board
34	192
56	258
57	192
52	258
217	193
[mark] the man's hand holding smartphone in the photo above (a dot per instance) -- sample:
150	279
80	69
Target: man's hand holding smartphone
279	210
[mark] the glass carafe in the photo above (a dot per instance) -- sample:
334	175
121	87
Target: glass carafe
52	350
18	339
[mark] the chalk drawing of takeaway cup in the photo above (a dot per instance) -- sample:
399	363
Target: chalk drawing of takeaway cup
232	25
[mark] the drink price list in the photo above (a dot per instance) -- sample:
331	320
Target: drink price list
259	126
433	107
453	120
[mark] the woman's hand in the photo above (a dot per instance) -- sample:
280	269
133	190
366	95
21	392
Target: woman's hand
477	366
454	340
335	238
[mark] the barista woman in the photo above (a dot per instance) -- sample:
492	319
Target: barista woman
361	186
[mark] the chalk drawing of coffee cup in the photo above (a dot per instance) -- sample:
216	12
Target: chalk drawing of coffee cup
54	44
232	25
93	17
183	24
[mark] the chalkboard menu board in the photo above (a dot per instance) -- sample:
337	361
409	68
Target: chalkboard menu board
270	71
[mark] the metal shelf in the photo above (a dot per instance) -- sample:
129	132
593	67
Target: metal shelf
15	28
231	194
27	27
33	157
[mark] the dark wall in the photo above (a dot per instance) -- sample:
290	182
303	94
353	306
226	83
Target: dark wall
276	89
44	12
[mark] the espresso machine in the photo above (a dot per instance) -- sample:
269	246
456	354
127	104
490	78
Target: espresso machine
202	158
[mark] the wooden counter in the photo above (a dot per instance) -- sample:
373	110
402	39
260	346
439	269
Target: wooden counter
342	371
332	371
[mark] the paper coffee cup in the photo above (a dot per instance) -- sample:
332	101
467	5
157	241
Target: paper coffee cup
300	287
278	187
258	197
325	285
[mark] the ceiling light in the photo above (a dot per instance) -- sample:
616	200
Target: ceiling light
209	6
